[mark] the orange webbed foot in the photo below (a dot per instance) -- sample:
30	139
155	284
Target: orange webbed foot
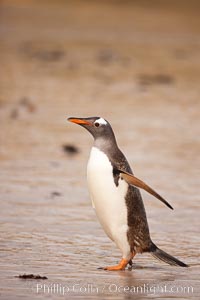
121	266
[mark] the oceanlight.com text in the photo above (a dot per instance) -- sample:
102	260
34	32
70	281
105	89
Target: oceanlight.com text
112	288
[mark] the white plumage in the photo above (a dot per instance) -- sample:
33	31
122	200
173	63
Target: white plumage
108	199
101	121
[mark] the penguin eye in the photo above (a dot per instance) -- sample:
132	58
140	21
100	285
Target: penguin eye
96	124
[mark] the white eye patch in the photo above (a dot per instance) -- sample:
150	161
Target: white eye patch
101	121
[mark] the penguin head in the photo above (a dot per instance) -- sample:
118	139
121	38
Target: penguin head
97	126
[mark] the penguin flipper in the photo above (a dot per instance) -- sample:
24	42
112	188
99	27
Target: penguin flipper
132	180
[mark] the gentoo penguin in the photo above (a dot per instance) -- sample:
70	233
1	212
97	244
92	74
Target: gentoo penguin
116	198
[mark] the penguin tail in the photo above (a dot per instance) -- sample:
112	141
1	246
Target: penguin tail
167	258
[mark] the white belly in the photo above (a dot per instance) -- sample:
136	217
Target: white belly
108	199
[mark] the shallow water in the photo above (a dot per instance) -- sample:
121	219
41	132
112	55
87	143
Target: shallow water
56	65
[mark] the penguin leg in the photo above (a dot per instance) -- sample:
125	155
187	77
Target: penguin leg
122	264
130	263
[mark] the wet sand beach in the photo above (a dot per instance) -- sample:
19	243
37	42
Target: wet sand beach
137	64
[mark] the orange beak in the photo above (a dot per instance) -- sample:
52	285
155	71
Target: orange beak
79	121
